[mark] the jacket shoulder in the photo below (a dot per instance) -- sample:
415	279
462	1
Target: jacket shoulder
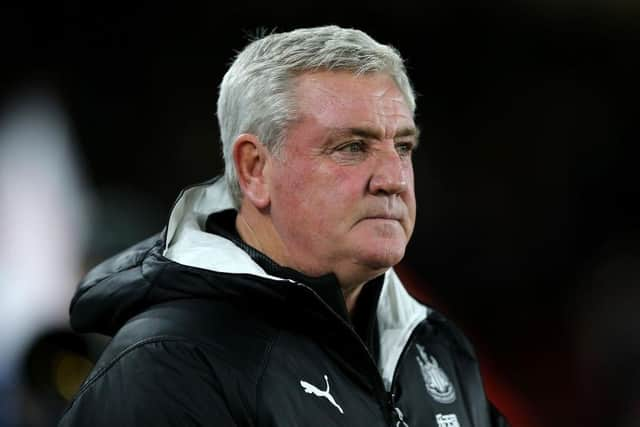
199	359
454	335
216	325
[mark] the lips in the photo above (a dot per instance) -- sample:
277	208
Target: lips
390	217
392	212
385	216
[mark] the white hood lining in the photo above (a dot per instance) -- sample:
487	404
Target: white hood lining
187	243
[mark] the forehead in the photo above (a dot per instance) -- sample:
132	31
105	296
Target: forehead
342	99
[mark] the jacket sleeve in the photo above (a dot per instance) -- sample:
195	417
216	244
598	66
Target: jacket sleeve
156	383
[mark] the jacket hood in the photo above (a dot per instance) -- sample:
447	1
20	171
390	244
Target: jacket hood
185	261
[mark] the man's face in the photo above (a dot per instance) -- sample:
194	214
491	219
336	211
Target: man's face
341	190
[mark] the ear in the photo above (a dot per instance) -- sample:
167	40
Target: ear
251	160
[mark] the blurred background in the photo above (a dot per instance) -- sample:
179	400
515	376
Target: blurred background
527	185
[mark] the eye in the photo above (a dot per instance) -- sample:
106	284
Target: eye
405	148
353	147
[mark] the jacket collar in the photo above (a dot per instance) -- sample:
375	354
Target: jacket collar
188	243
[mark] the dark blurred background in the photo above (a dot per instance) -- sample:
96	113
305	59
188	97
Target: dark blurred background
528	226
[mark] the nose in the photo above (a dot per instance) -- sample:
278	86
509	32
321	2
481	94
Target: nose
389	175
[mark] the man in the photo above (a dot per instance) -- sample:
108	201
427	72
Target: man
270	298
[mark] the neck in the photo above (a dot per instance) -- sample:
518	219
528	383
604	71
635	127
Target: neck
351	297
247	233
254	227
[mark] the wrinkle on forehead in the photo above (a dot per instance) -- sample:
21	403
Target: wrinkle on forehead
370	99
334	83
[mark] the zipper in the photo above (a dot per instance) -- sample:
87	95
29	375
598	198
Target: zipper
397	415
382	395
403	354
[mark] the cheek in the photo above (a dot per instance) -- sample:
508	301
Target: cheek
344	189
291	180
301	196
319	196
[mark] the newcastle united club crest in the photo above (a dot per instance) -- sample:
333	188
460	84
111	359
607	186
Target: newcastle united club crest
436	381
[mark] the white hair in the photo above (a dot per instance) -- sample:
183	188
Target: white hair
257	92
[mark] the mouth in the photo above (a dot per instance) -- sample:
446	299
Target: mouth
384	217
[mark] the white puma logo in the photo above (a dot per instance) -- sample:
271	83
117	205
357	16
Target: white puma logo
310	388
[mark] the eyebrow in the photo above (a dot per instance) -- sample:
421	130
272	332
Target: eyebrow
372	133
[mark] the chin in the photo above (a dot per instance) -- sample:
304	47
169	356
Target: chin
377	251
382	259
